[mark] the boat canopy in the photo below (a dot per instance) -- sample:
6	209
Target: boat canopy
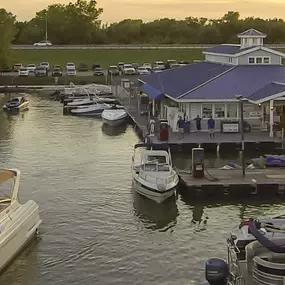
5	175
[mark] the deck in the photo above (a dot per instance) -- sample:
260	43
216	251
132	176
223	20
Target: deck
254	139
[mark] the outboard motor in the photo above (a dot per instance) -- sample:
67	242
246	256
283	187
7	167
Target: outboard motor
217	271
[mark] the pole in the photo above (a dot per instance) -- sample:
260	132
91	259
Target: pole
282	137
46	28
242	138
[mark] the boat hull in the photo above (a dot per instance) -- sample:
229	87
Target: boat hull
151	193
114	123
22	107
17	230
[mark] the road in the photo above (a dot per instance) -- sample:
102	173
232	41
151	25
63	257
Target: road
126	47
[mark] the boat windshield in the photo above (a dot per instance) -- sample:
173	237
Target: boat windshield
153	167
157	158
6	186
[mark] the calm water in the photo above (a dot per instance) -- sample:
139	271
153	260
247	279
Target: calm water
95	229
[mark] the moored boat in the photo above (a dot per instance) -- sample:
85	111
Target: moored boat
90	110
114	117
18	222
153	175
19	103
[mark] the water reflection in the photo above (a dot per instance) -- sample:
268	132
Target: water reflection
153	215
25	268
114	131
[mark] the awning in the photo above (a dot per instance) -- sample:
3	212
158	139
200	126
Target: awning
152	93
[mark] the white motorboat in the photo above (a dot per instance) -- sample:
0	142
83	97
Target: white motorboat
153	175
114	117
91	110
18	222
274	228
19	103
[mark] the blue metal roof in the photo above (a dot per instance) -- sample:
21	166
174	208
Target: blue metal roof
178	81
151	92
268	90
228	49
242	80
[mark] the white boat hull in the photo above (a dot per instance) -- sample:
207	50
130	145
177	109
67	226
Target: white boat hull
151	192
114	117
114	123
17	229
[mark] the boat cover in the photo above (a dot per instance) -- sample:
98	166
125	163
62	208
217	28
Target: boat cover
6	175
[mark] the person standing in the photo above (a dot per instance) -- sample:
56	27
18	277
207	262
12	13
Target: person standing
198	123
180	124
211	127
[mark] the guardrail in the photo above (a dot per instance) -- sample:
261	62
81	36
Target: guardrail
126	47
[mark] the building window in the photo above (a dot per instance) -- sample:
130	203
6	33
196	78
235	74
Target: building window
259	60
266	60
255	41
230	59
207	110
251	60
219	110
232	110
246	42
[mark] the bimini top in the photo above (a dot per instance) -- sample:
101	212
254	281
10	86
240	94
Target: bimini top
6	174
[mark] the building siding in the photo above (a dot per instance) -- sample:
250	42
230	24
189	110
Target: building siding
220	59
275	59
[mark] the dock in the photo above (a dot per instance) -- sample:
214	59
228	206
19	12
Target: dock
219	183
256	140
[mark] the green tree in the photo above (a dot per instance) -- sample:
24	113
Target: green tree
7	32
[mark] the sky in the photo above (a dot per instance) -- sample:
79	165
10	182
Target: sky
116	10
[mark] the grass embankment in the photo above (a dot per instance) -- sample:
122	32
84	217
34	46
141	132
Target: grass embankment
104	57
48	80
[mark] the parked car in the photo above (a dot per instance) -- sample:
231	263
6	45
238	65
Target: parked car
83	67
57	71
142	71
56	66
70	70
17	66
23	71
31	67
170	63
158	65
128	69
41	71
98	71
70	65
135	65
183	63
95	65
147	66
121	66
45	65
43	44
113	70
6	68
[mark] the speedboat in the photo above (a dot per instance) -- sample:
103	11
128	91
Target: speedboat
264	262
91	110
114	117
153	175
19	223
17	104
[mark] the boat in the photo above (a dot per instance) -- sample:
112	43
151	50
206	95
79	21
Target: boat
264	263
19	223
91	110
114	116
270	160
241	235
153	175
19	103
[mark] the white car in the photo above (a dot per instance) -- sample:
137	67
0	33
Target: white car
31	67
43	44
147	66
23	71
128	69
45	65
70	71
70	65
143	71
158	65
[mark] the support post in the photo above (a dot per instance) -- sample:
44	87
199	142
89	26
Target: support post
271	117
46	27
282	137
242	138
153	108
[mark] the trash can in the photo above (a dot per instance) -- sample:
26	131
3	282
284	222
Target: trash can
163	130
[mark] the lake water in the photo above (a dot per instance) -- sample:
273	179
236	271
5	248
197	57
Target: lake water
96	229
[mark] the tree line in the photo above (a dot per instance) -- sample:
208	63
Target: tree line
79	23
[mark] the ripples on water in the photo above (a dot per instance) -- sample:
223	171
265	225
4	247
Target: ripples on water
96	229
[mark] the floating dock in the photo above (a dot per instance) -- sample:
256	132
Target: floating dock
230	183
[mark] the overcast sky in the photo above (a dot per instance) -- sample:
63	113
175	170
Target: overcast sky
116	10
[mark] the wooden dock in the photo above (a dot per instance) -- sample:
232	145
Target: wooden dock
217	183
